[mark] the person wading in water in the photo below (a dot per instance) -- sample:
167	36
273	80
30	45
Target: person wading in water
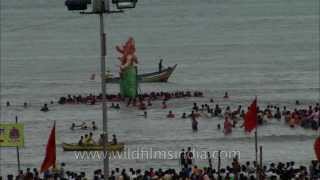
183	158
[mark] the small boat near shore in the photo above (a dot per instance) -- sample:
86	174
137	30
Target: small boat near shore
159	76
76	147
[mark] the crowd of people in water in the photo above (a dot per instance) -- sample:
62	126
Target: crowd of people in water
308	118
235	171
93	99
141	101
300	116
304	116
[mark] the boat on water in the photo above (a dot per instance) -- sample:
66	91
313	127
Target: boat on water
76	147
159	76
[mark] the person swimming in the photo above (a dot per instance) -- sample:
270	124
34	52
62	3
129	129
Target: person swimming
226	96
83	126
73	126
217	110
170	115
184	116
94	127
44	108
195	107
164	105
112	105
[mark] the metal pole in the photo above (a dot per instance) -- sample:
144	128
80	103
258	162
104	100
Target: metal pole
18	154
209	160
261	164
256	152
104	103
219	164
256	145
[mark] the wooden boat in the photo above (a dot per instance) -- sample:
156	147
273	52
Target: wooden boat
76	147
162	76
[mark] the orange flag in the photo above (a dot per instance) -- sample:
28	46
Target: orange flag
317	148
250	118
50	158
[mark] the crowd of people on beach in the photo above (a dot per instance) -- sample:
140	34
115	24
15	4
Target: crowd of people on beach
235	171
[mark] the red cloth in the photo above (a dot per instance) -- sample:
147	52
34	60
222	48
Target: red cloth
317	148
50	158
250	118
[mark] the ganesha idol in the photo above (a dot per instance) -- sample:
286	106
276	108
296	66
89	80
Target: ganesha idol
128	57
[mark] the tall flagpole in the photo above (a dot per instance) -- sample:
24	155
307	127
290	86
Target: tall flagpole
261	163
18	154
219	163
256	139
256	144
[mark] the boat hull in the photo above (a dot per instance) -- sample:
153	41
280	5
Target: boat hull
76	147
162	76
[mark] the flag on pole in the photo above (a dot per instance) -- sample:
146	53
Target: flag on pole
250	118
50	158
317	148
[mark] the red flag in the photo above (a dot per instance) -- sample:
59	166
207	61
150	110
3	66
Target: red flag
317	148
50	158
250	118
